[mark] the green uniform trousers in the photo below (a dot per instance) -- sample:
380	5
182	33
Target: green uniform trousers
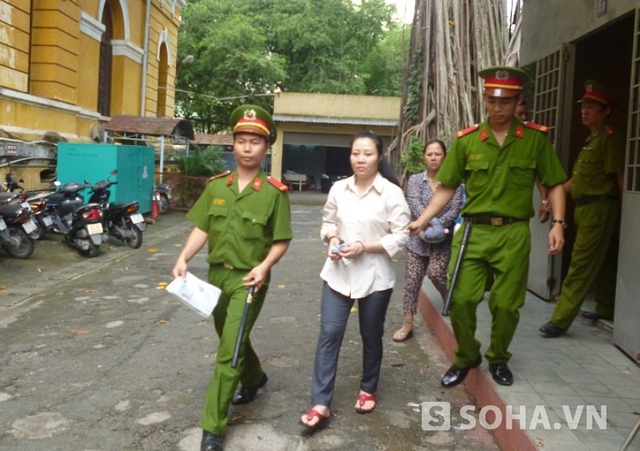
595	224
227	316
503	251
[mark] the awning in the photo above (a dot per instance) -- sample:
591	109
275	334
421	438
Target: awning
150	126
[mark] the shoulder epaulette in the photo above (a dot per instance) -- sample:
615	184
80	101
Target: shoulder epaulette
467	130
540	128
609	131
278	184
217	176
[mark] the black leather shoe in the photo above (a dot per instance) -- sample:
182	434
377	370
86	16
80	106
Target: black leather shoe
455	375
211	442
501	373
247	394
550	330
593	316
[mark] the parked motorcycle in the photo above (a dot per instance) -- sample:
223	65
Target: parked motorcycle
80	224
10	182
16	229
162	195
42	217
120	220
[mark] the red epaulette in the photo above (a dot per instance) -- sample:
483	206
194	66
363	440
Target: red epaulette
540	128
278	184
609	131
217	176
467	130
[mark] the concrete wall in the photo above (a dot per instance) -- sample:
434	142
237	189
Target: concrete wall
337	106
353	112
549	23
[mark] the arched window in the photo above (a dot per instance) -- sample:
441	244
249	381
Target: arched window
106	53
163	75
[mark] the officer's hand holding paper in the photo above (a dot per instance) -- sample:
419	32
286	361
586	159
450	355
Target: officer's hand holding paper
196	294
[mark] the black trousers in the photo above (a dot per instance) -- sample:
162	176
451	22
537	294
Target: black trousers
335	311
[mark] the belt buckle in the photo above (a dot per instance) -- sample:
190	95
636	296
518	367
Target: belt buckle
227	266
496	222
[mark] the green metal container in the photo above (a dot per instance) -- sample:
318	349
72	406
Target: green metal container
78	162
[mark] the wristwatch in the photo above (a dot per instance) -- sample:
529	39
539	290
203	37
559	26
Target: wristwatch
562	222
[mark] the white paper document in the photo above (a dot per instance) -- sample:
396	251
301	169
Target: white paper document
196	294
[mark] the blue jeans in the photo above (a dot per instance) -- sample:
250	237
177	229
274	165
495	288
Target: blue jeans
335	310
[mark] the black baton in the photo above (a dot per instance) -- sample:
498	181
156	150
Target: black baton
243	323
456	270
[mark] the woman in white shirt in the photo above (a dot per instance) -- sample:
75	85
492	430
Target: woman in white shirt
363	224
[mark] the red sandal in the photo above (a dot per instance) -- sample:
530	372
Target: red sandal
311	414
363	398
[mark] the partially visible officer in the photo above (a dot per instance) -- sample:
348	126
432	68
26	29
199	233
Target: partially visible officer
498	160
596	188
246	218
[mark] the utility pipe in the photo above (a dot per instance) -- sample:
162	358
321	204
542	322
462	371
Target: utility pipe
145	60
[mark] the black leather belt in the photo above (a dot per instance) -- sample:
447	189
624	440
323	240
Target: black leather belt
584	200
495	221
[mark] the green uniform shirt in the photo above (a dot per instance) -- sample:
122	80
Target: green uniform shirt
242	226
499	180
595	173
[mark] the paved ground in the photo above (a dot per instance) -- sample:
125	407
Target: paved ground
94	355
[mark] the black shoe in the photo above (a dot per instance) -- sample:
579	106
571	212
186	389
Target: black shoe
247	394
211	442
550	330
593	316
501	373
455	375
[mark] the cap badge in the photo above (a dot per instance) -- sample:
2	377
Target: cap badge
250	115
502	75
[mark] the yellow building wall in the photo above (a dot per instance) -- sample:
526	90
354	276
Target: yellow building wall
15	21
89	63
54	49
47	56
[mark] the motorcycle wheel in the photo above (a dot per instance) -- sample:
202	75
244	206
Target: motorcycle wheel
163	204
42	230
94	250
27	245
136	241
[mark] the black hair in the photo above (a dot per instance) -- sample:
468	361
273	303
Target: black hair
435	141
384	167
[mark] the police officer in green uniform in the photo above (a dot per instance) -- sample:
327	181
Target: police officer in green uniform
596	187
498	160
246	218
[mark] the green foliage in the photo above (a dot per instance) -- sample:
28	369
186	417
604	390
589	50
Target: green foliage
201	162
245	50
414	86
385	64
413	156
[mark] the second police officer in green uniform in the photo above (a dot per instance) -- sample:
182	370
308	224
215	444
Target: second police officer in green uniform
245	216
498	160
595	186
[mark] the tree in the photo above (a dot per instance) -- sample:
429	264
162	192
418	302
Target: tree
451	41
246	50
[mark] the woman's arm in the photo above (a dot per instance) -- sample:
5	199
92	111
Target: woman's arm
416	205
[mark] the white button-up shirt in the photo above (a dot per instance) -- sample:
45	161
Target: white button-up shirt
378	215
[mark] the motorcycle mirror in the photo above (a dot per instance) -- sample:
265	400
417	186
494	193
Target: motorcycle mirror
86	182
114	172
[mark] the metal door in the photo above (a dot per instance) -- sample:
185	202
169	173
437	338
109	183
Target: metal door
552	73
626	332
